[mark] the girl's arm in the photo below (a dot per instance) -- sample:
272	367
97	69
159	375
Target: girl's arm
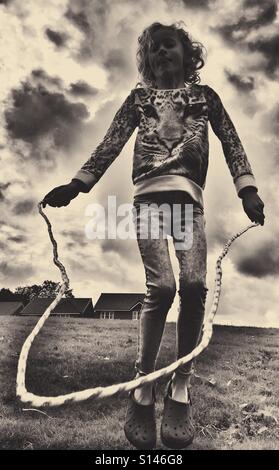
236	157
234	152
123	125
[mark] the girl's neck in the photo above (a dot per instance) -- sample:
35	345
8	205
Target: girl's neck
168	82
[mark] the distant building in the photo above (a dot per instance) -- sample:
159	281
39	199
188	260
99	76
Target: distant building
11	297
10	308
119	306
74	307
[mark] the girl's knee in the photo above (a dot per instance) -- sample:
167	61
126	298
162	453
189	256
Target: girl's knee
193	289
163	293
167	292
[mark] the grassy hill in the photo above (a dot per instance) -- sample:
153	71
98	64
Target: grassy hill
239	412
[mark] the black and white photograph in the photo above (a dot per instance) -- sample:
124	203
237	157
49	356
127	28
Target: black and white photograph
139	260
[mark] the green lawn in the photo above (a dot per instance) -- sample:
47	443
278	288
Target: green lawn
239	412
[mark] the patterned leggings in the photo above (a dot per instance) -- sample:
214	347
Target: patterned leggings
160	281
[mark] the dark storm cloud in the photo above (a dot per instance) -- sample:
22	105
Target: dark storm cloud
82	88
263	262
24	207
266	14
76	238
79	19
120	247
93	270
270	125
39	75
87	15
116	62
59	39
194	4
36	112
198	3
242	84
12	232
14	268
268	10
16	272
110	45
17	239
269	47
3	187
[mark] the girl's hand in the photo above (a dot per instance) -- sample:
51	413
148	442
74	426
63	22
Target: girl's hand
253	205
62	195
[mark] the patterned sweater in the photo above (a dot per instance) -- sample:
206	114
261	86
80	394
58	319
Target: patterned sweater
171	147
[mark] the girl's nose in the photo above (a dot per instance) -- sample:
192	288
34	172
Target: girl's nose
162	48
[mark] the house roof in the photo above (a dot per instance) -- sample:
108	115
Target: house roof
10	308
118	301
13	298
66	305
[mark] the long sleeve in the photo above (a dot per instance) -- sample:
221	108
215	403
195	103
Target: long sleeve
123	125
234	152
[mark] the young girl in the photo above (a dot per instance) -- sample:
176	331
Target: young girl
171	111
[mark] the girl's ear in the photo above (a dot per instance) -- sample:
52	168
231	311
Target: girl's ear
186	63
151	76
185	66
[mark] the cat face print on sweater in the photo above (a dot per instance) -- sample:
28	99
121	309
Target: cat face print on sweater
171	128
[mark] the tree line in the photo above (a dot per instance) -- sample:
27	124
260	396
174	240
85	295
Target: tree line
28	293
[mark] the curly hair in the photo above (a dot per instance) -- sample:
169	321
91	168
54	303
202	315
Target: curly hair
194	53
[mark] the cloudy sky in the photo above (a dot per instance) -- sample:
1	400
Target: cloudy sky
66	67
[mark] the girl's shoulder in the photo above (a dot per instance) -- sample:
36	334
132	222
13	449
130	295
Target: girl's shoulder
193	87
194	92
209	90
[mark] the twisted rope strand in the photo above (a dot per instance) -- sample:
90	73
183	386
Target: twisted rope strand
102	392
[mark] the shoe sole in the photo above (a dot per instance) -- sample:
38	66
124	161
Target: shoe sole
171	445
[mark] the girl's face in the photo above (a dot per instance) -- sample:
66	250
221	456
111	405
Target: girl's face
165	53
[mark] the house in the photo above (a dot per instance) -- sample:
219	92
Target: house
11	297
10	308
74	307
123	306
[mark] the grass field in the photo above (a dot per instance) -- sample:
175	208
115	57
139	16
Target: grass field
239	412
